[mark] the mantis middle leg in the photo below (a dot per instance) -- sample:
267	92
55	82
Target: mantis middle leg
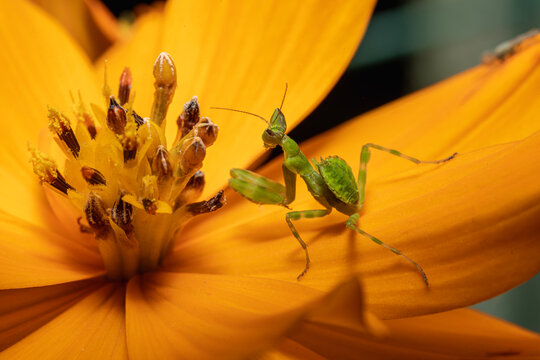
364	159
297	215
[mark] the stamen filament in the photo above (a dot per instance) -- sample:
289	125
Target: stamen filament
97	218
165	85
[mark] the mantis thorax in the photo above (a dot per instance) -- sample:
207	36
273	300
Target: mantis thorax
289	146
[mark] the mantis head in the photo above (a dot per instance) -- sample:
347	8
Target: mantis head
275	131
273	135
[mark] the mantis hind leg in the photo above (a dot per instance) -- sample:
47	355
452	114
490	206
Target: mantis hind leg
297	215
364	159
351	224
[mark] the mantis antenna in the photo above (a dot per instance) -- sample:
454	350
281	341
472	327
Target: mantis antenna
285	94
252	114
241	111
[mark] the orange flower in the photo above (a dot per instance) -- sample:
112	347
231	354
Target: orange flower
228	287
89	22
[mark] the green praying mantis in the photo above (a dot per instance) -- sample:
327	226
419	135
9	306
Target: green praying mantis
330	181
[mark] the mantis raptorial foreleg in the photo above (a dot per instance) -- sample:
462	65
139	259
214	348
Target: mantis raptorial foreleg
297	215
257	188
261	190
364	159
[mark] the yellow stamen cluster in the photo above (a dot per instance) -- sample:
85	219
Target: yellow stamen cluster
134	193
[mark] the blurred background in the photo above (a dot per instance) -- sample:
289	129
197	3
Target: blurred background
410	45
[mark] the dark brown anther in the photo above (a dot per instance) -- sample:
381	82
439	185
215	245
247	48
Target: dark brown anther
84	116
47	171
130	145
130	154
122	214
93	176
203	207
83	228
130	141
192	190
116	117
90	125
60	125
149	193
193	153
207	131
189	116
124	87
196	182
161	166
150	206
94	209
138	119
61	184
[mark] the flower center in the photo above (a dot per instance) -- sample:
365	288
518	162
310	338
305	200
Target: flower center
135	193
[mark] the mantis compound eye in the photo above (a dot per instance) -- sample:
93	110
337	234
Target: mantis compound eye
270	138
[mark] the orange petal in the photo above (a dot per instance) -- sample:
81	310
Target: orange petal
288	349
92	328
104	19
31	256
472	223
212	316
23	311
236	54
458	334
40	66
89	22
